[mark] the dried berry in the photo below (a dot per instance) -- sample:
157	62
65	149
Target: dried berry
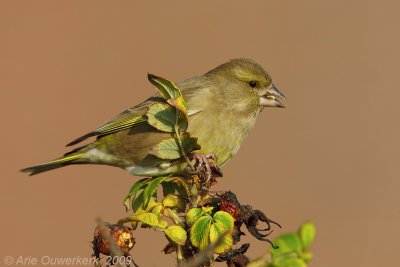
120	235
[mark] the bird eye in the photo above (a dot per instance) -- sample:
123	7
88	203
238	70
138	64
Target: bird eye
252	84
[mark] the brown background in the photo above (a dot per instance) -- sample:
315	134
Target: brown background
332	156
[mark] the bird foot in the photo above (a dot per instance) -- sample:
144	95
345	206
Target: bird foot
205	166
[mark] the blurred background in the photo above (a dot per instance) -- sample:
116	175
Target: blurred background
332	156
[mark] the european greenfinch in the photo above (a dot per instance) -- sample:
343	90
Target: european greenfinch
222	104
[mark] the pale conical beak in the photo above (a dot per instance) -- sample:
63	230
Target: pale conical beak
271	98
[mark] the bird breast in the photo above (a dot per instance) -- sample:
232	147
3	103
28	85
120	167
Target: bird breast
220	133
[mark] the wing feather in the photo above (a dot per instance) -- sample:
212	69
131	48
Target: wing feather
137	115
129	118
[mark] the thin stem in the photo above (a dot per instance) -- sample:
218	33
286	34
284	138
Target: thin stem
179	137
180	254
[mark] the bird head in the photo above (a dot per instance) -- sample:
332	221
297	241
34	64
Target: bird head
245	86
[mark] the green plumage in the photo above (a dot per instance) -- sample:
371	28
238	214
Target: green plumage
223	105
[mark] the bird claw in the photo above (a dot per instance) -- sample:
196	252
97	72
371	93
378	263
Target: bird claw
204	165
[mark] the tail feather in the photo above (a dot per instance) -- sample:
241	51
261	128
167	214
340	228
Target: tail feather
54	164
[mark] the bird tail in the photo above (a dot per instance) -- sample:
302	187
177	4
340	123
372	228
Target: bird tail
54	164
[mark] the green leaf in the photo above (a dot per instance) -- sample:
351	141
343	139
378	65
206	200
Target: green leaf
225	219
138	201
170	201
142	216
166	88
154	207
179	184
147	218
205	230
133	191
151	189
189	143
193	215
163	117
168	188
307	234
199	232
288	243
176	234
180	104
169	148
151	205
163	224
219	233
222	228
207	209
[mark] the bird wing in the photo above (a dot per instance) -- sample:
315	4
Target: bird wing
129	118
137	115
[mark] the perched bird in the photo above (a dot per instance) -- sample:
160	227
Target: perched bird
223	105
